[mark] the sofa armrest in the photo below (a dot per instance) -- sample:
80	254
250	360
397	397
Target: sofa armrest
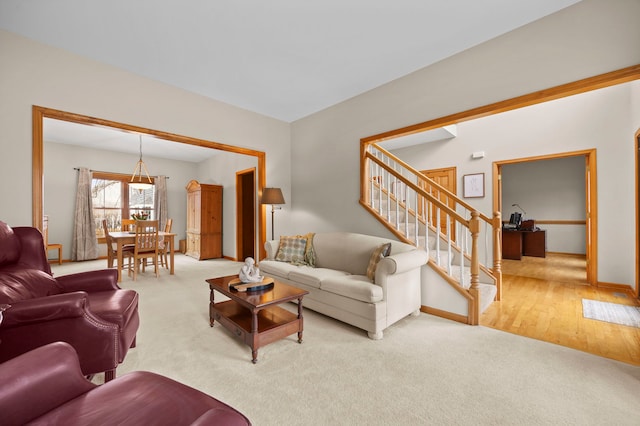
401	262
271	247
91	281
38	381
41	309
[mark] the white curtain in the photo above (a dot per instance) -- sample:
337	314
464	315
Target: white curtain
84	245
161	201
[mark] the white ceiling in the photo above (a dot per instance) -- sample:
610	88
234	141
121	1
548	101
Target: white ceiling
107	138
282	58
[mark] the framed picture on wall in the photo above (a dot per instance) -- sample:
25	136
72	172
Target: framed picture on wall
473	185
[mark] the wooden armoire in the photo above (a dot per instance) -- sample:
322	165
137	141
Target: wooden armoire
204	220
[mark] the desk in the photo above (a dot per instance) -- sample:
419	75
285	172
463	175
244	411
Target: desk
516	244
123	238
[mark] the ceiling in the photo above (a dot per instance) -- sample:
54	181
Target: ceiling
107	138
282	58
97	137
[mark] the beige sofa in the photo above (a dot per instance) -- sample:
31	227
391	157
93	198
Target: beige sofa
338	285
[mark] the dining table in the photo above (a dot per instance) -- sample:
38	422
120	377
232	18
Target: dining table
122	238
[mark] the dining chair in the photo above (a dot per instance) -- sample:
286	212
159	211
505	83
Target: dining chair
128	224
145	246
163	245
112	252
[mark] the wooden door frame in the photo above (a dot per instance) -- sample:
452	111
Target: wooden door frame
637	174
454	169
240	208
612	78
37	178
591	199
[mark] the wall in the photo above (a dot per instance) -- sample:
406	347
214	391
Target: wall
579	122
36	74
221	170
557	49
549	190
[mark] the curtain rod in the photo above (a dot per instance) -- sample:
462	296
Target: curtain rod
100	171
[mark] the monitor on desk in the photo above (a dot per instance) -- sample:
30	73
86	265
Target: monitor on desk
514	221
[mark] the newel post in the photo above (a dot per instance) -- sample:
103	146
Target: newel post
474	229
497	253
365	195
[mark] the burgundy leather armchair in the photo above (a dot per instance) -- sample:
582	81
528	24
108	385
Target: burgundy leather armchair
46	386
88	310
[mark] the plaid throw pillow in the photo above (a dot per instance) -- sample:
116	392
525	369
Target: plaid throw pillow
292	250
378	253
309	253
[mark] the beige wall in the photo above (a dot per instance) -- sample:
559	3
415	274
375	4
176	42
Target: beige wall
34	74
589	38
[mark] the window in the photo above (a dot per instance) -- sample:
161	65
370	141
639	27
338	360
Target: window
114	200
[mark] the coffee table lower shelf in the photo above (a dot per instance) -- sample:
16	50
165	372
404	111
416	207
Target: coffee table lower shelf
273	323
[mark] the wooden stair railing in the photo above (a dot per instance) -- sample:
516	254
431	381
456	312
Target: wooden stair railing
388	181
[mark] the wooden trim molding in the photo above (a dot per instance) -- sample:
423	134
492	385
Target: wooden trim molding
591	197
556	222
444	314
561	222
636	142
615	286
600	81
40	113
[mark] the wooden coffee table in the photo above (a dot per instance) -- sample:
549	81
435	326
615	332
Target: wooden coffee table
255	317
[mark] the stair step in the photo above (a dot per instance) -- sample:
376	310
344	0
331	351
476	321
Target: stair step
487	295
444	257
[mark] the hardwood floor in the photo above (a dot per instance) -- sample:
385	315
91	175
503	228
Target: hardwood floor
542	299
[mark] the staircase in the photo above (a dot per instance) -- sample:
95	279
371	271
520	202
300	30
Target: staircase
463	275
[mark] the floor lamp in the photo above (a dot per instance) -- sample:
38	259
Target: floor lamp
272	196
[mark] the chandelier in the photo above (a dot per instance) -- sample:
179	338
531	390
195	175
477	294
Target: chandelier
137	181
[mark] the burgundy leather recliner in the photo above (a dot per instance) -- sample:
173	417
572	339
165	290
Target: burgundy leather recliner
88	310
46	386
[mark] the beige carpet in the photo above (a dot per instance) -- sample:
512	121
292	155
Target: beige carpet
426	370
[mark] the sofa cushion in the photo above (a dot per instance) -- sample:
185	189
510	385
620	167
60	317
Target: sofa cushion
292	249
10	244
381	251
313	277
348	252
276	269
20	284
356	287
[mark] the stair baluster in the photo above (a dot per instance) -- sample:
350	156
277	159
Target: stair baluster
424	198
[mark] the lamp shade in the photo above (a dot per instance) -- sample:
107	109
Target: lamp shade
272	196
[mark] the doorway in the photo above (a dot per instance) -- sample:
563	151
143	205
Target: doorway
245	214
40	113
446	178
590	222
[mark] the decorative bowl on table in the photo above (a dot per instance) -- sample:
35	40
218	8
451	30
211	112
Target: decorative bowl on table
140	216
